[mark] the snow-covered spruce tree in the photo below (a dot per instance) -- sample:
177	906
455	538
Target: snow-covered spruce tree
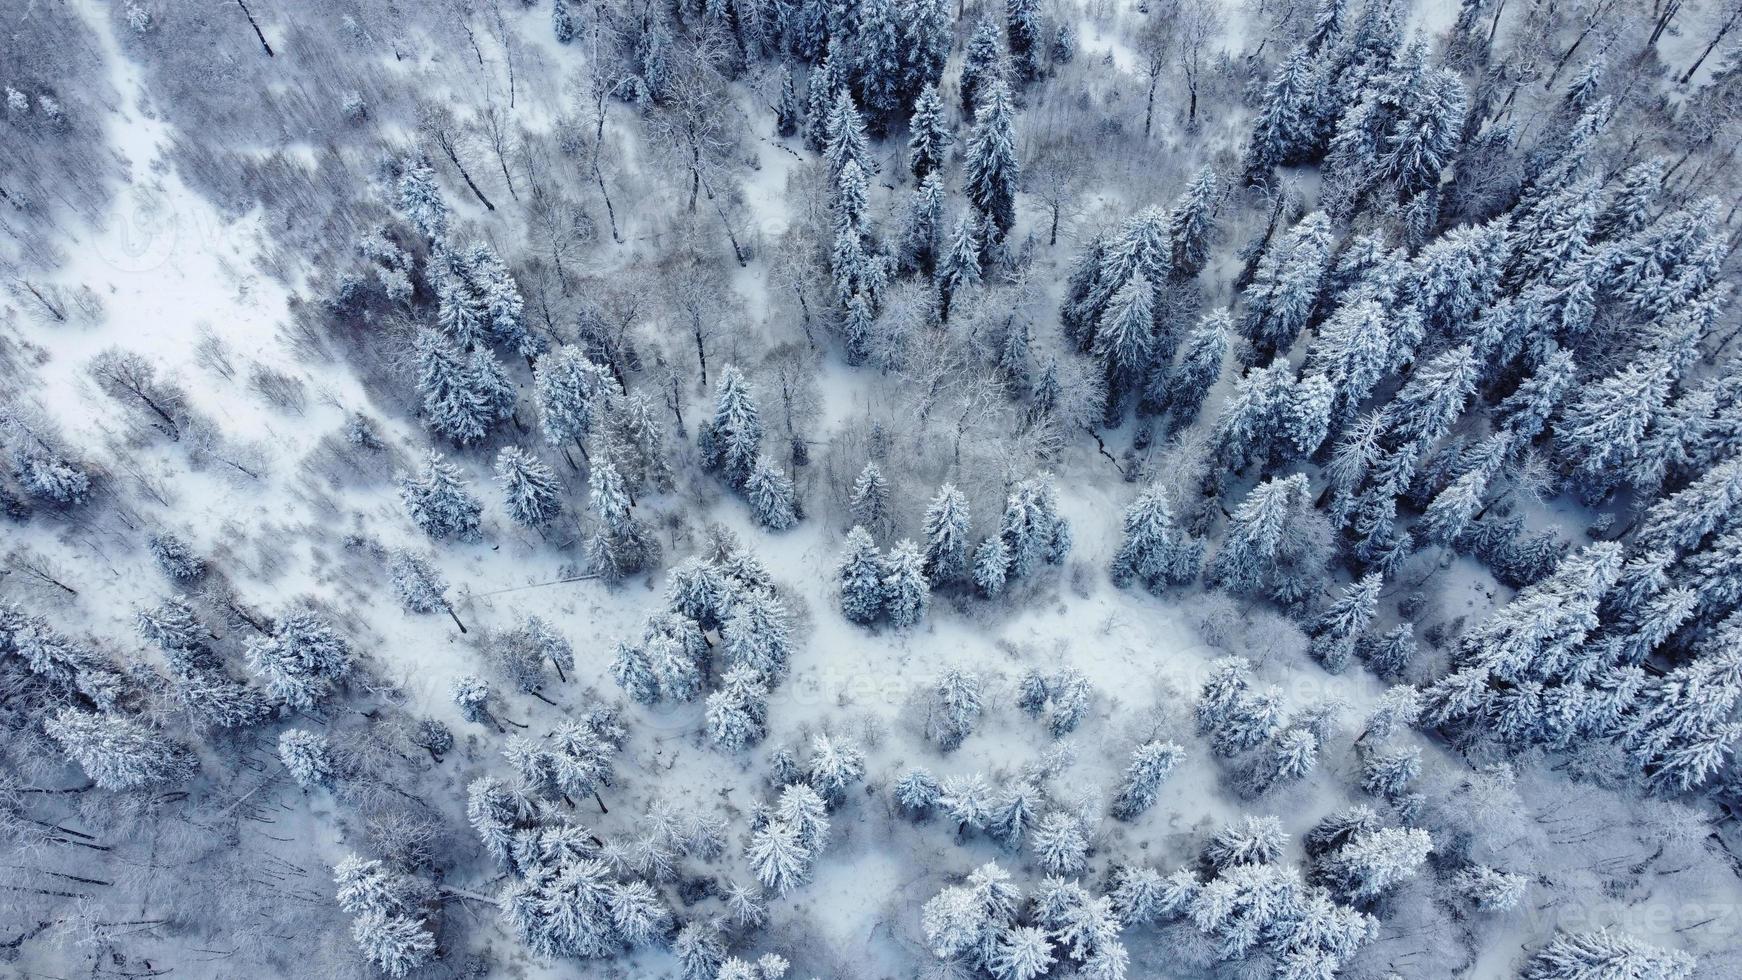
917	793
1191	223
835	764
1022	35
1680	730
51	477
845	140
1343	627
779	859
437	500
1200	365
118	753
878	74
1388	775
773	500
955	708
959	268
990	171
737	713
991	566
1031	529
464	396
419	586
636	441
620	544
175	557
922	229
1286	287
787	113
1371	862
1256	535
397	945
1013	815
906	590
859	576
1602	954
1061	844
1251	840
421	200
1490	890
1285	132
1156	552
174	627
301	660
946	529
732	441
562	21
757	635
1151	763
523	653
929	136
570	391
531	492
869	501
982	64
306	757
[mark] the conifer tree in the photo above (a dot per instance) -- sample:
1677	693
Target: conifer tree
773	501
1602	954
1255	535
860	577
906	590
946	536
1155	552
531	491
1287	286
869	503
463	398
1200	365
118	753
306	757
437	501
1022	36
301	659
982	63
621	544
929	136
732	441
1150	764
845	138
825	82
1343	627
960	267
756	633
570	391
991	566
1286	129
421	200
637	444
955	708
562	21
419	586
1190	224
787	114
879	75
923	229
990	172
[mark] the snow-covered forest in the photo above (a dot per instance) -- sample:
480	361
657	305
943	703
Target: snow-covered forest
759	489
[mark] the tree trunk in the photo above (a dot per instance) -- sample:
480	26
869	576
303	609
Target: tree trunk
1717	39
453	157
601	802
455	618
1149	105
250	15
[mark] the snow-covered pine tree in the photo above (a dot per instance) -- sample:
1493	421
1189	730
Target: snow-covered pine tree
118	753
306	757
869	502
1343	627
418	584
1191	223
175	557
823	84
1255	535
1200	365
1150	764
929	135
621	543
436	500
917	792
946	529
757	634
906	589
570	391
421	200
773	501
1023	38
991	566
1602	954
955	708
1286	288
787	114
878	70
737	713
460	402
732	440
923	229
845	138
1374	861
990	171
1156	552
959	268
531	491
1031	528
859	576
301	660
982	63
